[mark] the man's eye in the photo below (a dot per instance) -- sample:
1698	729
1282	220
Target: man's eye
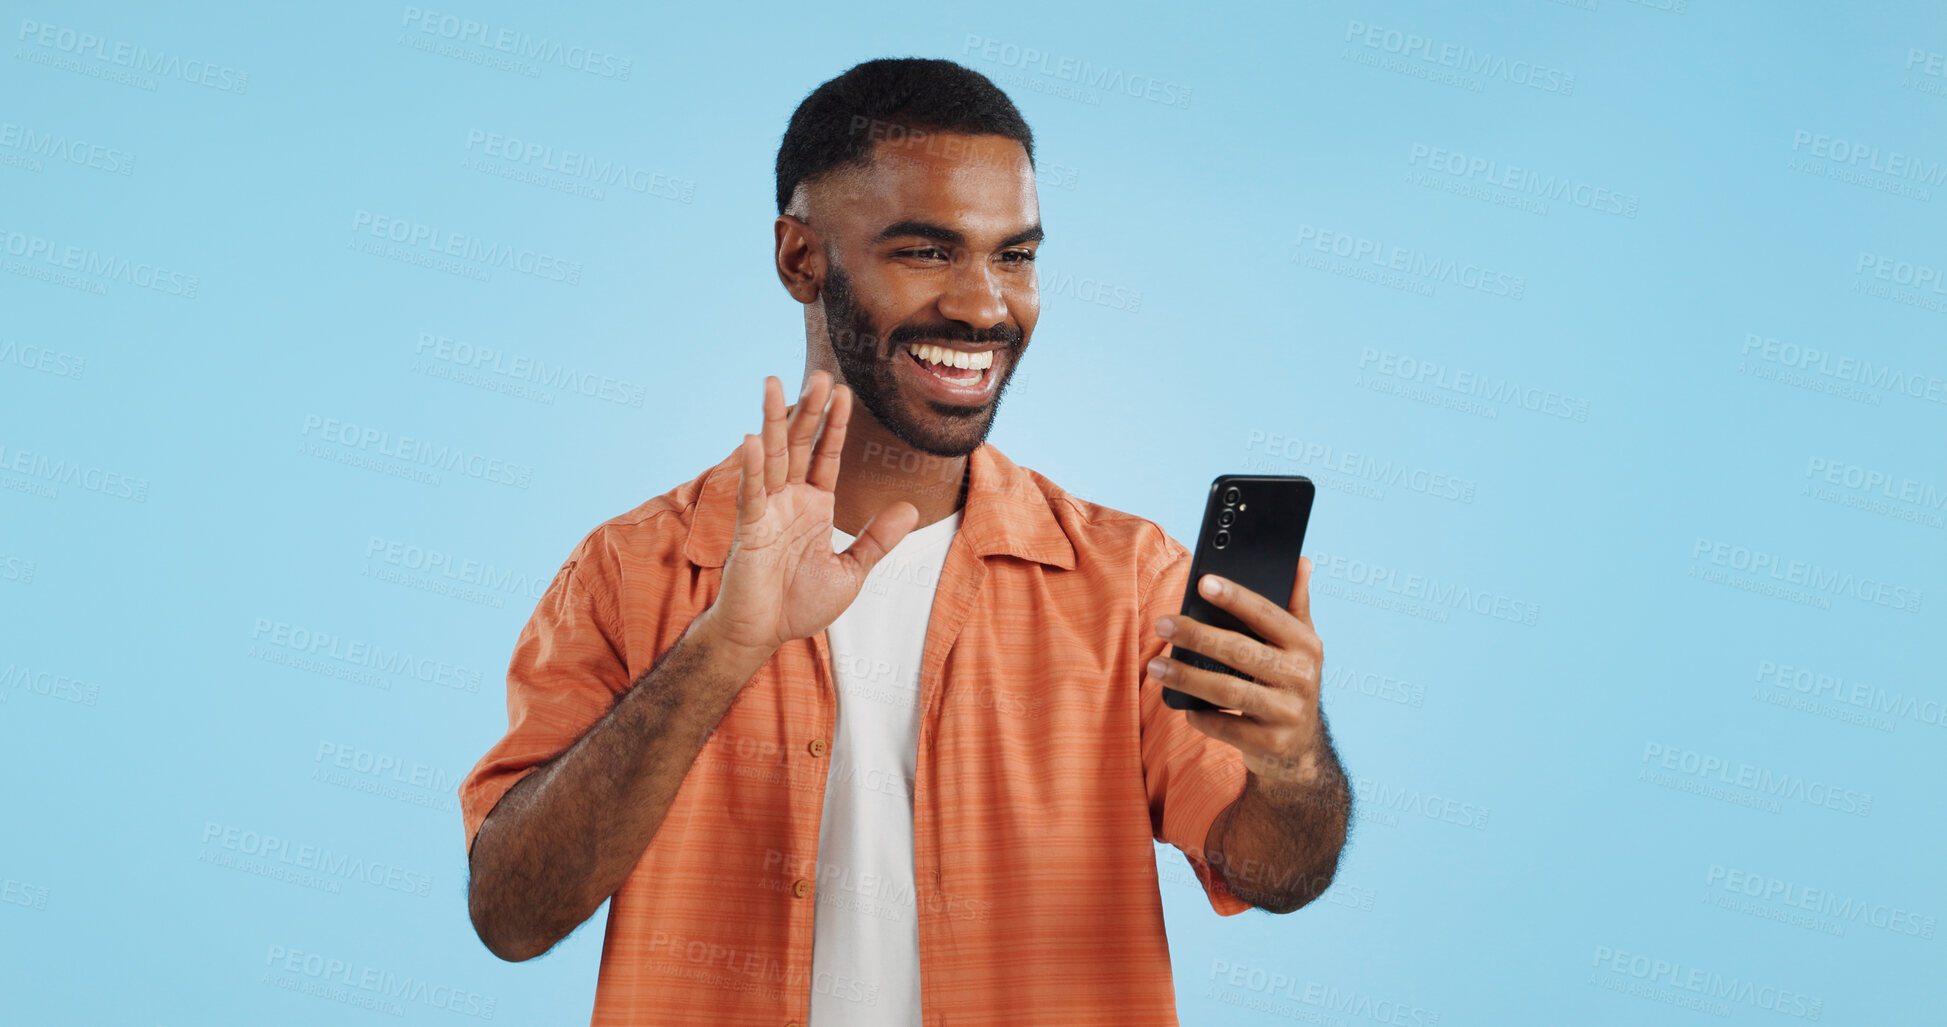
928	253
1019	256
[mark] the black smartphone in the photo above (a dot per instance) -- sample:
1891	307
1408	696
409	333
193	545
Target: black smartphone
1253	527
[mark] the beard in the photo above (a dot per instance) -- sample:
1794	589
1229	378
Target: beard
865	359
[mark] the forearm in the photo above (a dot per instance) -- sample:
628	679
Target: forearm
1278	845
564	838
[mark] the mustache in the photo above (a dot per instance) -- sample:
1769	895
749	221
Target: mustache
953	331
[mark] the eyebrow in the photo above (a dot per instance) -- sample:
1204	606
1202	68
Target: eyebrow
941	233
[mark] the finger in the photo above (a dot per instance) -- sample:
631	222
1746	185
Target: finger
879	535
824	463
1272	623
1301	593
804	424
1232	648
751	499
776	449
1226	690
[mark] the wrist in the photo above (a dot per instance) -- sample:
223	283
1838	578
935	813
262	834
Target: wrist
742	658
1308	780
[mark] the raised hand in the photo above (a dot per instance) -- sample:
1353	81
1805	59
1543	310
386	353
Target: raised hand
782	580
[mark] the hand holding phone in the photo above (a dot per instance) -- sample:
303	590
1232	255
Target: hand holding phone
1253	528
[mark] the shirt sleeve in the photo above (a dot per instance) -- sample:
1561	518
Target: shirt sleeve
1190	776
567	669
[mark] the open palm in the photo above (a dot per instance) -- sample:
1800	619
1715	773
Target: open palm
782	580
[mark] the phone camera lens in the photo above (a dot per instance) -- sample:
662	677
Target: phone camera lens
1224	517
1221	540
1232	495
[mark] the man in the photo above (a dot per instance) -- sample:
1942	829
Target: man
859	726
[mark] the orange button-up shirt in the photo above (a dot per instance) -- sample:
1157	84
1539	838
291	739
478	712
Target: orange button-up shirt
1047	763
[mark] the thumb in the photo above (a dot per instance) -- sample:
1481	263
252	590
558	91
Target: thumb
1301	592
880	534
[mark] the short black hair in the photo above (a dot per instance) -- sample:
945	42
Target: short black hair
839	122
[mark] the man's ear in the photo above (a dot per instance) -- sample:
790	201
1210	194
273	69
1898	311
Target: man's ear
800	259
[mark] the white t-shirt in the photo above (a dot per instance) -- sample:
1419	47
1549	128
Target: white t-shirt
865	944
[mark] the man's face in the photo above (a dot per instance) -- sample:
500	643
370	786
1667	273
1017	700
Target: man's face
931	249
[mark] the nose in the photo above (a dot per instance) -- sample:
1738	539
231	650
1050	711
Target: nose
973	296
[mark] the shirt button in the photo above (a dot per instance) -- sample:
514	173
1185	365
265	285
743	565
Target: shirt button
791	1023
817	747
801	888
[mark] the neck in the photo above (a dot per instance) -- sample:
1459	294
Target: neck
877	469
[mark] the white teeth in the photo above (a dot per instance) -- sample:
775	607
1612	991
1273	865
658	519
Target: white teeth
952	357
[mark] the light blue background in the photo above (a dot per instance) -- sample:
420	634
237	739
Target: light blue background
1550	737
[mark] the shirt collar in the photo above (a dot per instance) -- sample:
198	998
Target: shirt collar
1006	514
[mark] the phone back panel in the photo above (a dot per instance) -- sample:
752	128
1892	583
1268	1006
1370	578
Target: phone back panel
1262	540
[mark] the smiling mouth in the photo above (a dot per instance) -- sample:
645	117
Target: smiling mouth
958	367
